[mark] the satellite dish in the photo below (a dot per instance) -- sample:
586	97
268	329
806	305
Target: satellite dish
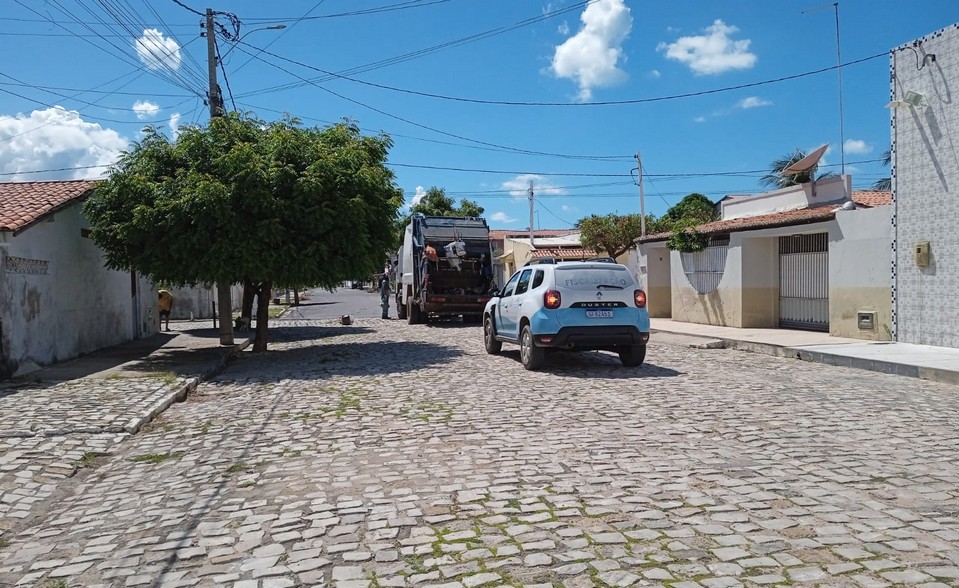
806	163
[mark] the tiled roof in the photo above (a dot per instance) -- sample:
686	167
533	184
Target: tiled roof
564	253
24	203
500	234
872	198
786	218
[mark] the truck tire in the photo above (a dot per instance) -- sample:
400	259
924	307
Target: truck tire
413	315
400	310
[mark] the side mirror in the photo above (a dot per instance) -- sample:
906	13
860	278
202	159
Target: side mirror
494	293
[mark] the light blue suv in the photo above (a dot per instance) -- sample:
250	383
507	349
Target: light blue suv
575	305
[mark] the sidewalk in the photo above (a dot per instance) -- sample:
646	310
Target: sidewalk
939	364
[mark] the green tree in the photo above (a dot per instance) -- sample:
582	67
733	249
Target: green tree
436	203
613	233
682	219
247	201
884	184
775	179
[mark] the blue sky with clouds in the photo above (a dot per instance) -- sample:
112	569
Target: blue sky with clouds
480	97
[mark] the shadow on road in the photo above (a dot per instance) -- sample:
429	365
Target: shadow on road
594	364
320	360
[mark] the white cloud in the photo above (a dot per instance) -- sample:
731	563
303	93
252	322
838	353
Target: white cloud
655	73
420	193
591	56
145	108
752	102
712	53
519	185
502	217
157	51
175	125
56	138
699	119
563	28
856	147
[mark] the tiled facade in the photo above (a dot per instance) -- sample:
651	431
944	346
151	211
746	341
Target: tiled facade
926	187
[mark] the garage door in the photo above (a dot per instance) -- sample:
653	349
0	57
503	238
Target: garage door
804	282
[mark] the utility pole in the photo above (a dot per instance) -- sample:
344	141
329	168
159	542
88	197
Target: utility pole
642	199
223	297
531	214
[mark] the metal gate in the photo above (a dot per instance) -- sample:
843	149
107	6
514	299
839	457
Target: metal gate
804	282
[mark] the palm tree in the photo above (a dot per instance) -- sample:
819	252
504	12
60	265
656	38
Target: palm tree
884	184
776	180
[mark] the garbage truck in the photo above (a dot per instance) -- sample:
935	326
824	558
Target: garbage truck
444	269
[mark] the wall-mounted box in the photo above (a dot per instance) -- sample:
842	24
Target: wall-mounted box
866	320
922	253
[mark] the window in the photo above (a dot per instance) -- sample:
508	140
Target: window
508	288
523	285
538	279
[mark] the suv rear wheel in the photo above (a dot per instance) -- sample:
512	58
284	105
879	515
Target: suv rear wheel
531	355
489	337
632	355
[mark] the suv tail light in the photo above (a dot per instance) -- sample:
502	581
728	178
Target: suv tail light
639	297
552	299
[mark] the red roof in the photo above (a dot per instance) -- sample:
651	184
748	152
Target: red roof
498	235
786	218
872	198
24	203
564	253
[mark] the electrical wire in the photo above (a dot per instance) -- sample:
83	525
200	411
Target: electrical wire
377	10
277	37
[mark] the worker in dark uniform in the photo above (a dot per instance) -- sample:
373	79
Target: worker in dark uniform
385	295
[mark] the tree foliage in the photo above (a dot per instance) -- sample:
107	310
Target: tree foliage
884	184
682	219
613	233
247	201
436	203
775	179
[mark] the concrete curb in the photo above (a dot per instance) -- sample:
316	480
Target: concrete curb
180	392
837	359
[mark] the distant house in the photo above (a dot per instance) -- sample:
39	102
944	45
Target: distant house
57	300
508	246
924	78
813	256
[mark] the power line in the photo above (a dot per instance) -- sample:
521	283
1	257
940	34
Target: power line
377	10
193	10
598	103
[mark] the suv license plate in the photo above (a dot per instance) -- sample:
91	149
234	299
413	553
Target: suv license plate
599	314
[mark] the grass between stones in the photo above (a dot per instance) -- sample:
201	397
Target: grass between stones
157	457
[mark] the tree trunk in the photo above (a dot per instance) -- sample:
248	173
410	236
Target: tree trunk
262	315
249	293
296	297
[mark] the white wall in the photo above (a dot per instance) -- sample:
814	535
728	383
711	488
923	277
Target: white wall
58	301
926	189
791	198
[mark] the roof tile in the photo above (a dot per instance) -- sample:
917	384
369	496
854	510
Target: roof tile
24	203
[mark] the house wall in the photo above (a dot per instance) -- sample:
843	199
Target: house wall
792	198
925	179
859	245
722	306
650	263
196	303
58	301
759	255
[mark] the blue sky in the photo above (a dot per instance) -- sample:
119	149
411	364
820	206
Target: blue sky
479	97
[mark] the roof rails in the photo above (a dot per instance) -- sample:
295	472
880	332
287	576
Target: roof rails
541	260
602	259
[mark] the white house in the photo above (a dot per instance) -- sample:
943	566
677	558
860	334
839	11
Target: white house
924	112
57	300
813	256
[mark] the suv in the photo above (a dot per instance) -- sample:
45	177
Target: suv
576	305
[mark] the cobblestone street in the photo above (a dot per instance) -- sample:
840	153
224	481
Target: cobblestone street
388	455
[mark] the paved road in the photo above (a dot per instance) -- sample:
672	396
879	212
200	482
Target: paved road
386	455
321	304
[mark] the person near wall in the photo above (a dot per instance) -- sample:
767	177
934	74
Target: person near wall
165	304
385	295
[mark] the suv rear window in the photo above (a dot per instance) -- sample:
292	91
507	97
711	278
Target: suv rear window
588	278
